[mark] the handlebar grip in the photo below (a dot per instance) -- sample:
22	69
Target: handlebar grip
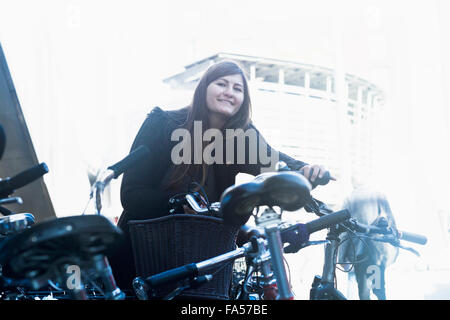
322	181
371	229
172	275
28	176
412	237
8	186
135	156
327	221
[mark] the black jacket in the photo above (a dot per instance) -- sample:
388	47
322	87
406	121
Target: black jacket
142	193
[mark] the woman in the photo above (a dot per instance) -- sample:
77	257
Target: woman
221	102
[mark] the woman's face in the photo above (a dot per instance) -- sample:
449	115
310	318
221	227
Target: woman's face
224	96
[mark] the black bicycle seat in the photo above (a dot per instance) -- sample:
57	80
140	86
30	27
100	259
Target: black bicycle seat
36	252
288	190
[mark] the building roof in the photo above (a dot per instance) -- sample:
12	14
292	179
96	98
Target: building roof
295	74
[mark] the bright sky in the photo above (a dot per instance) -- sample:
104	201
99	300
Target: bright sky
86	72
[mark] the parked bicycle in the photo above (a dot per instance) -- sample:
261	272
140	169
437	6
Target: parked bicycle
264	198
13	223
65	256
265	275
324	287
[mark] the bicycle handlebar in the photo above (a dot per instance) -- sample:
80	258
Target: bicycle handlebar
321	209
173	275
298	235
130	160
9	185
413	237
186	271
328	221
370	229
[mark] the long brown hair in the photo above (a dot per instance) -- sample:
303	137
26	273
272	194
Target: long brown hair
198	111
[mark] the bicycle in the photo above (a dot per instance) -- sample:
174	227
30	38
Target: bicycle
286	190
67	255
12	223
323	287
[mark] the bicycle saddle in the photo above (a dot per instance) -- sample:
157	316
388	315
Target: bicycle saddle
36	252
288	190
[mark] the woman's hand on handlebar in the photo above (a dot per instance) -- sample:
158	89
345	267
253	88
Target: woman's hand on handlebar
314	171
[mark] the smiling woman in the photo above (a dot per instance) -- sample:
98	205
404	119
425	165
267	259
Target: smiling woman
221	101
224	98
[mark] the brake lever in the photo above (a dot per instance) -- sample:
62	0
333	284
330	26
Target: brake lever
394	241
317	207
386	238
11	200
412	250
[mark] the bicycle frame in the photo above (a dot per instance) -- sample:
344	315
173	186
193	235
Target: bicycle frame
271	220
323	287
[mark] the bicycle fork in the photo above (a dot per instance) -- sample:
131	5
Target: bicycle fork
270	221
323	287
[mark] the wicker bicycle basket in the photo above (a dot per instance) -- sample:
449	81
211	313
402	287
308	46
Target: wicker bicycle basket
171	241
